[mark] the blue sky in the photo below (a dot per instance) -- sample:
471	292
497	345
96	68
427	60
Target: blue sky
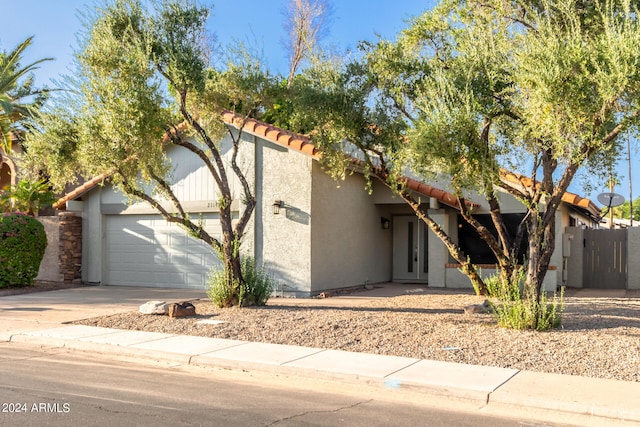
259	23
55	23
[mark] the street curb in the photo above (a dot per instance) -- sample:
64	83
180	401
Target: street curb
569	394
513	393
199	360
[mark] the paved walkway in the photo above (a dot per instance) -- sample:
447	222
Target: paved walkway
42	319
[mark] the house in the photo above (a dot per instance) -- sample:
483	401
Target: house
310	232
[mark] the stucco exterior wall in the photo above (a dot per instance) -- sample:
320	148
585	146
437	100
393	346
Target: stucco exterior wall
7	172
382	195
349	247
573	249
439	257
92	237
557	259
508	203
633	249
283	240
246	162
8	168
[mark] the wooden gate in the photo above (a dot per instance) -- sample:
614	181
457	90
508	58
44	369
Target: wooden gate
605	259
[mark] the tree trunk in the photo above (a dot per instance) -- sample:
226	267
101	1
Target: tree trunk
234	280
467	267
541	247
230	243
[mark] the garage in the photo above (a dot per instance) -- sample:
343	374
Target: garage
146	250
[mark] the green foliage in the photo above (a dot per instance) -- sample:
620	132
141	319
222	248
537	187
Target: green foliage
149	81
226	291
54	149
22	245
19	99
122	99
623	211
471	89
222	289
515	308
27	197
258	284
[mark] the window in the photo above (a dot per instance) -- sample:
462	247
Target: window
477	249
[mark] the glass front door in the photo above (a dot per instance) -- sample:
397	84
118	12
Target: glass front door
410	250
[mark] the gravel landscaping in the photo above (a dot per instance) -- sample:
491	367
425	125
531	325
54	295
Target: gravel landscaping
600	337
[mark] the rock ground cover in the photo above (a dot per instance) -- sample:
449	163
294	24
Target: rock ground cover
599	337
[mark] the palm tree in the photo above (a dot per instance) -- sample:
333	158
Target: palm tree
19	99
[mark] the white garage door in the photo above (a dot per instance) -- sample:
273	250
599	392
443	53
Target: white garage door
146	250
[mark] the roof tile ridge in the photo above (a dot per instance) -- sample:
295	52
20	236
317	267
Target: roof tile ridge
273	133
61	202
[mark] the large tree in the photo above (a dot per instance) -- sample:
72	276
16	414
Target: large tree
146	83
474	89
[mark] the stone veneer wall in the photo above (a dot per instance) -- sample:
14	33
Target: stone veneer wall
70	256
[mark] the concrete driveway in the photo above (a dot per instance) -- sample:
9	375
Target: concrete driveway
72	304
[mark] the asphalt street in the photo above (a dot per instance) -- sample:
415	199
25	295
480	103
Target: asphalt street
57	388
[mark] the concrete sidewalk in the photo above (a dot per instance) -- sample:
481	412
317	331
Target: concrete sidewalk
40	318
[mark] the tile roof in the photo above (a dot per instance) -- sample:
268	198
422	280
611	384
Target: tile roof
570	198
80	190
272	133
304	145
438	194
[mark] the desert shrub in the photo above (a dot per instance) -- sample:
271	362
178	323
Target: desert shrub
514	308
22	244
224	291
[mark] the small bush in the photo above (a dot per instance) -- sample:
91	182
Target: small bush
226	292
22	244
222	289
515	309
258	284
27	196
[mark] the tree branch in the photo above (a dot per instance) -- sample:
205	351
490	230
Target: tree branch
177	140
182	105
195	230
622	126
168	191
515	19
250	200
